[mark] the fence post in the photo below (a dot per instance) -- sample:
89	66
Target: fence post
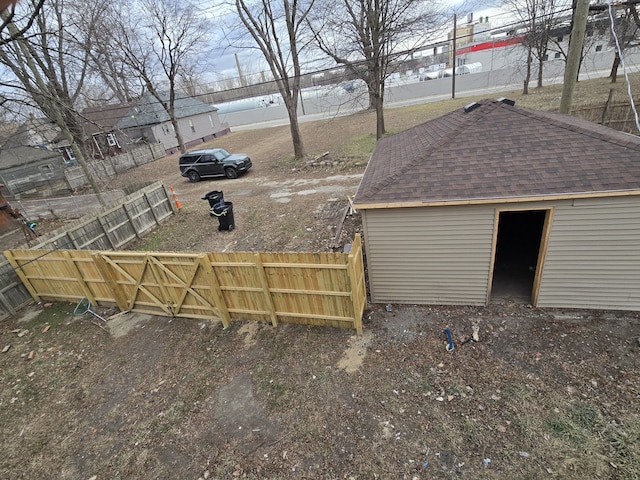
107	234
355	271
22	276
265	289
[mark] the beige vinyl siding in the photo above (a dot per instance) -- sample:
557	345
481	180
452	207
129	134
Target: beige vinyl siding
593	256
430	255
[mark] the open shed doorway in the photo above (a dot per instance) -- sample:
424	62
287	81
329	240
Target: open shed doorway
517	255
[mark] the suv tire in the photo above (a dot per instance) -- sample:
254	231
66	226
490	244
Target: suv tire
231	172
194	176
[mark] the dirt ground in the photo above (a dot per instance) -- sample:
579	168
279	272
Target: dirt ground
540	394
279	205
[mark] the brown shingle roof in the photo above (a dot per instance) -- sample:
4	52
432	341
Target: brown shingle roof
102	119
499	152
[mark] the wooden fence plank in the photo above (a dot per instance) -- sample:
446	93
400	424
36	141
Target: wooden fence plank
267	294
216	292
79	278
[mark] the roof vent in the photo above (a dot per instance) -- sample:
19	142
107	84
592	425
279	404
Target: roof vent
506	101
471	107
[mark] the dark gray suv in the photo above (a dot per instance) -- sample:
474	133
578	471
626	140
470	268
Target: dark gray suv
214	162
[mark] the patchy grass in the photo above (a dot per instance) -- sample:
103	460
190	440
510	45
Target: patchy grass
154	241
361	147
289	162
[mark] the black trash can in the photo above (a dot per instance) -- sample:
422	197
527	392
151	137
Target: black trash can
224	212
214	197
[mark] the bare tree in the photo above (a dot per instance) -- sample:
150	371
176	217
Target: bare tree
276	28
190	82
538	18
160	42
48	71
625	27
112	76
26	20
369	37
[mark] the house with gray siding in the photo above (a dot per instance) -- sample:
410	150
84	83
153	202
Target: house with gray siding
146	120
496	201
32	161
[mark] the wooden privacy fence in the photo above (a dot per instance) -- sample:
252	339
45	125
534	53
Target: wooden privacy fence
617	114
108	228
310	288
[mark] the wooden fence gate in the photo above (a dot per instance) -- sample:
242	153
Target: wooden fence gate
310	288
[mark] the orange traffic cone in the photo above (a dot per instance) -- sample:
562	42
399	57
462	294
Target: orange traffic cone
175	197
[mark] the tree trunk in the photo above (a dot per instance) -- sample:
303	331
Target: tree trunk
372	100
527	77
296	136
540	67
376	101
380	130
614	68
81	159
179	139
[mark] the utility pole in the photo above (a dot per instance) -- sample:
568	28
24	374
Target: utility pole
575	52
453	61
243	81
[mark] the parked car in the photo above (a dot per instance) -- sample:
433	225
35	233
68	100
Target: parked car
214	162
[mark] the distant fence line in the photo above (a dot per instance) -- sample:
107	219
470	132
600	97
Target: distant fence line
617	114
325	289
106	229
51	177
109	166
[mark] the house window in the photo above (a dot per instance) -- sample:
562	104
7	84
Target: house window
193	128
165	129
69	152
559	39
68	156
112	141
557	55
598	48
211	121
546	57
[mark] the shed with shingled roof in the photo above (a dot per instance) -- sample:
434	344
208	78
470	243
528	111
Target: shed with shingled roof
495	201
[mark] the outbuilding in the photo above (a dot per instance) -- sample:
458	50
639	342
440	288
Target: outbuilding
495	201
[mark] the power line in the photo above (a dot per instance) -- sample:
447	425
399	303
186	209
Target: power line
104	111
112	108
